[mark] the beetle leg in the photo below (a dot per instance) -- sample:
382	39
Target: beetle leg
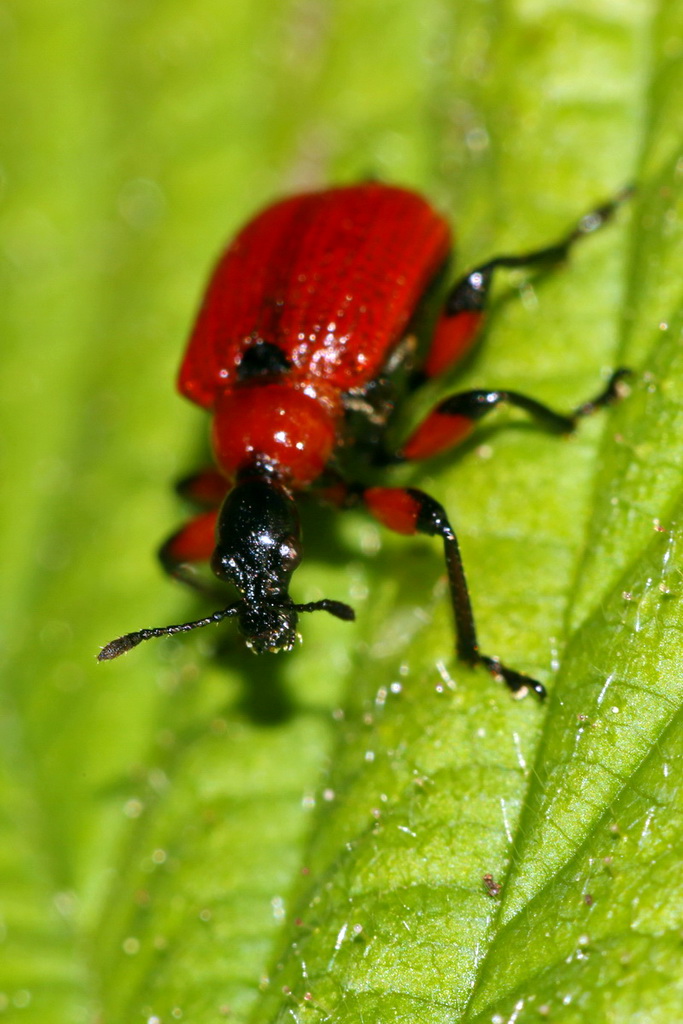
196	540
193	542
205	489
455	417
458	326
409	511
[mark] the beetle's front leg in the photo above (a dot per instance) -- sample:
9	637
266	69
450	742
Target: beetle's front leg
194	542
409	511
205	489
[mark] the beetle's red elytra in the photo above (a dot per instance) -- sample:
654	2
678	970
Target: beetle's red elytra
298	354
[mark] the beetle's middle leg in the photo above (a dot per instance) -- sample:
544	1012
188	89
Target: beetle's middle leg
454	419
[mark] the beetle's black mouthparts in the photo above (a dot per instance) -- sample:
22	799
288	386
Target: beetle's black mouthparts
126	643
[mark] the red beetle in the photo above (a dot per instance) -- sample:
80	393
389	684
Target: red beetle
301	336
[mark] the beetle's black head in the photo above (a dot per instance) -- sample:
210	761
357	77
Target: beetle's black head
268	627
258	547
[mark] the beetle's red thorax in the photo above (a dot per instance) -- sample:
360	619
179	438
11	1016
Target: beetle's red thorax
330	278
285	427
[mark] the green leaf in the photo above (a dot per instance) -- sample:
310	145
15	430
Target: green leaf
195	834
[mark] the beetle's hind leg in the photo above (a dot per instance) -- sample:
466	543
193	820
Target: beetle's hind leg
463	312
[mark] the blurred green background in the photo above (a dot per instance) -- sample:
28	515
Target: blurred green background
194	834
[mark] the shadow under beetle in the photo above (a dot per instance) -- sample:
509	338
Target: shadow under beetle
303	324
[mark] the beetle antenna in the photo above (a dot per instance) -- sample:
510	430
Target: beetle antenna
131	640
338	608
